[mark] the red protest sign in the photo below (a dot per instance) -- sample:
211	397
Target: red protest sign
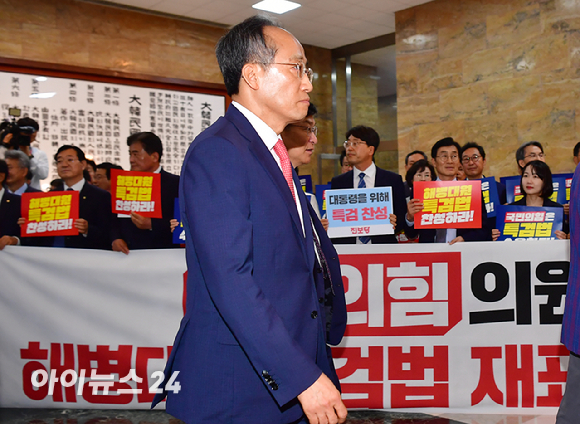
138	192
448	204
49	214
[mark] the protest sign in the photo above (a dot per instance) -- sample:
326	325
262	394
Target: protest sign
50	214
448	204
490	195
359	212
528	222
138	192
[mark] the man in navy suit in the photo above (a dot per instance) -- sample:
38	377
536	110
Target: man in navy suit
445	159
300	139
570	406
95	215
18	169
9	212
250	348
140	232
473	160
361	146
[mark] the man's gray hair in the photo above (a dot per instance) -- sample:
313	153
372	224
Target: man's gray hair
20	156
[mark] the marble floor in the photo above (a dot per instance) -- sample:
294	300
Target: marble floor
109	416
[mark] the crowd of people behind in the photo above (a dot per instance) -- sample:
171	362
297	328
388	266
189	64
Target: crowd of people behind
99	228
449	162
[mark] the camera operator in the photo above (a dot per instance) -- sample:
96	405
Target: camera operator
20	136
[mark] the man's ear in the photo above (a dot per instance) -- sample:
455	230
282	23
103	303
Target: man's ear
251	75
155	156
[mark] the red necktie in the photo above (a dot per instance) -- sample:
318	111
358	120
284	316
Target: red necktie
282	153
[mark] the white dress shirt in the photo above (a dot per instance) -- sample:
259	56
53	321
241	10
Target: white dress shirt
270	138
76	187
20	191
369	178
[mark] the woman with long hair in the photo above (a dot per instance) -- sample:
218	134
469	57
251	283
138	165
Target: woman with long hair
536	187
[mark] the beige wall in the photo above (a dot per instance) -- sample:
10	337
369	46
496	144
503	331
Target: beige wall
498	73
83	34
75	33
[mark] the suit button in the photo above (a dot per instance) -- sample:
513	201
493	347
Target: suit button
274	386
321	300
265	374
314	314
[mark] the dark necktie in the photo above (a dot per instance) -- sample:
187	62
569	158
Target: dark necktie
362	184
59	240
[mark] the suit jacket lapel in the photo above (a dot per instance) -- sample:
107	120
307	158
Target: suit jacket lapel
265	158
378	179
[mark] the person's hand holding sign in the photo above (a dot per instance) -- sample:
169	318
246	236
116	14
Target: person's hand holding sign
140	221
82	225
414	206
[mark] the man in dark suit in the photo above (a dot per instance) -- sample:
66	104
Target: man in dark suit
250	346
445	159
570	406
300	139
9	212
473	160
18	169
361	146
102	178
95	216
139	232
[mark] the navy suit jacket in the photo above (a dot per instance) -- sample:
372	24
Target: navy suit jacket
31	189
159	237
248	343
571	320
383	178
9	214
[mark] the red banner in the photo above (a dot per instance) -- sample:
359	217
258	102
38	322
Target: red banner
448	204
50	214
138	192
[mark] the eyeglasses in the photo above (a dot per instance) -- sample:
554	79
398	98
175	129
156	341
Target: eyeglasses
301	69
474	159
445	158
354	144
313	130
536	156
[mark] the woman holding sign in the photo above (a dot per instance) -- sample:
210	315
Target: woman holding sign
536	186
